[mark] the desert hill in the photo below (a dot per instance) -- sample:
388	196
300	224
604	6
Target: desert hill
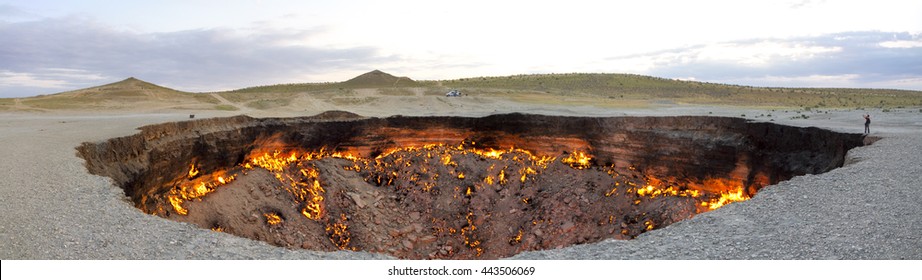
377	89
379	79
373	79
128	89
130	93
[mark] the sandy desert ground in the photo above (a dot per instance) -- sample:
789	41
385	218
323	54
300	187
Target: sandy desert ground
869	209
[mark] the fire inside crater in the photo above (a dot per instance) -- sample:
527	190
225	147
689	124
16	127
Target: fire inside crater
453	187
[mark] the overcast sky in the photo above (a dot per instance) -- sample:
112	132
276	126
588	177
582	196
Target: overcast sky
53	46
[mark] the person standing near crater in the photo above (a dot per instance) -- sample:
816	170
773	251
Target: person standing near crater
867	123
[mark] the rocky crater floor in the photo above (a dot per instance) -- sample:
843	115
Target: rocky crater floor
454	187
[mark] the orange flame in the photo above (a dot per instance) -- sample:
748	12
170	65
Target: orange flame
196	189
339	233
516	239
733	191
489	153
273	219
446	160
193	171
525	172
177	205
273	162
727	198
578	160
467	232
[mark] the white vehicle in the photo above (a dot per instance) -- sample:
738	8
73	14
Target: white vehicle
453	93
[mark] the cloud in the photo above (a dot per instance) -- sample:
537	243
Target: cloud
74	52
15	79
10	12
48	55
805	3
50	80
857	59
902	44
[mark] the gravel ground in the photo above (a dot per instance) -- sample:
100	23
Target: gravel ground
869	209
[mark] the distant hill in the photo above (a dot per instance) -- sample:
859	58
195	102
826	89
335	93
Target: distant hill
125	93
129	88
373	79
612	87
597	89
639	87
379	79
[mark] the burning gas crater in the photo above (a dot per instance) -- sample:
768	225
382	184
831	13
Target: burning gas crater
453	188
